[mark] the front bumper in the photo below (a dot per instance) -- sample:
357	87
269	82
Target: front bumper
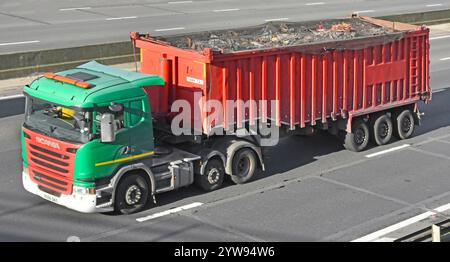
85	203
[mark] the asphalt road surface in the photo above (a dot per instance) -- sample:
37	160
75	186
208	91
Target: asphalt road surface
312	190
47	24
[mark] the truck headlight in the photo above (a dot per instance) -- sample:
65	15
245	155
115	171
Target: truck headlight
83	190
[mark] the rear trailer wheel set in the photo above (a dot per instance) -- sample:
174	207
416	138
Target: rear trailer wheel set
379	129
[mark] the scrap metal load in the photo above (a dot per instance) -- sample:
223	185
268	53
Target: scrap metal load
278	34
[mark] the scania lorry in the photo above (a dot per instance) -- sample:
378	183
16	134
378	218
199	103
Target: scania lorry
97	139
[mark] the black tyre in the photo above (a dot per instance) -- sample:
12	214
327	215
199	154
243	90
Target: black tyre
213	176
359	138
132	194
382	130
404	124
243	166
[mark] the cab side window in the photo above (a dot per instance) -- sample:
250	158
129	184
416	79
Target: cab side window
133	113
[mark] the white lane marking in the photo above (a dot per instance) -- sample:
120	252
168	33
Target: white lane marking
75	8
20	43
445	58
364	11
440	37
276	19
385	239
317	3
180	2
169	29
226	10
388	150
433	5
121	18
378	234
11	97
170	211
442	208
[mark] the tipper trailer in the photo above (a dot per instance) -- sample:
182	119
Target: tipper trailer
97	138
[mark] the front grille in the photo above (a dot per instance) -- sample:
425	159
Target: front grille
50	167
43	150
39	176
49	159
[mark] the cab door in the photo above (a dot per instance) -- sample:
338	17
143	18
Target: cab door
141	128
119	149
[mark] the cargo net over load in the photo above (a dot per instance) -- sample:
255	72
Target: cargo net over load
278	34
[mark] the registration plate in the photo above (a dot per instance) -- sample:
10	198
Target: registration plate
50	197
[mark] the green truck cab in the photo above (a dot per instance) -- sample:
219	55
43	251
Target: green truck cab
88	141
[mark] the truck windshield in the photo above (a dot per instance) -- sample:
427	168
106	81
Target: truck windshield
66	123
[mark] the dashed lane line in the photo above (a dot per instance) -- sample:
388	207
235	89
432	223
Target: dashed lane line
169	212
387	151
20	43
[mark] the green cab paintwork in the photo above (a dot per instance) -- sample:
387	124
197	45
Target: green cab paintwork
95	159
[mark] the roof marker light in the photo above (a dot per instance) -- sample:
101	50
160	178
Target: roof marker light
68	80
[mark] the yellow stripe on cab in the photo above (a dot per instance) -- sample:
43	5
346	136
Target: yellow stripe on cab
124	159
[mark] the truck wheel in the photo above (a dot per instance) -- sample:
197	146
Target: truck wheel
213	176
243	166
404	125
359	138
382	130
132	194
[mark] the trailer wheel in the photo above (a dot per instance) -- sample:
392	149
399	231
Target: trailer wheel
382	130
213	176
243	166
131	195
404	125
359	138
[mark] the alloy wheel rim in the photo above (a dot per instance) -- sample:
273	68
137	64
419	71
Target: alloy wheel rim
213	176
133	195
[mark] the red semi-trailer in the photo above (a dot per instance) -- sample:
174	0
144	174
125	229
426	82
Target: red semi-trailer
356	88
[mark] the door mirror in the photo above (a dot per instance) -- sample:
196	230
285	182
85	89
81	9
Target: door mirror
108	133
115	107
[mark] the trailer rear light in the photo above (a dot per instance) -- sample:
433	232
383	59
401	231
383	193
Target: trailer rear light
68	80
